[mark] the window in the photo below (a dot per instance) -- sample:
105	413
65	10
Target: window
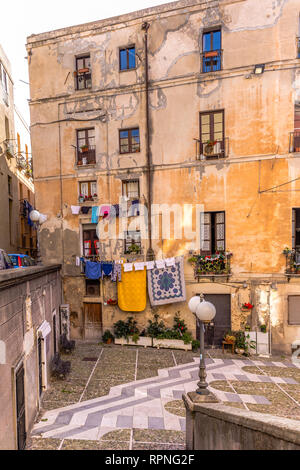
212	52
296	229
86	150
212	142
131	189
92	288
294	309
90	243
88	189
83	72
212	232
127	58
129	140
132	243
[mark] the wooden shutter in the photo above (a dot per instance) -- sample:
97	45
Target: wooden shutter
293	229
220	231
205	233
294	309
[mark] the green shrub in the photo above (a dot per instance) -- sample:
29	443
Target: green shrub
195	344
155	328
107	335
125	329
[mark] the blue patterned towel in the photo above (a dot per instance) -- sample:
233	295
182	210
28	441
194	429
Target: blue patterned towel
92	270
167	285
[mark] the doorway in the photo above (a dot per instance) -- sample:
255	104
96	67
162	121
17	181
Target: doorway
93	326
20	405
215	331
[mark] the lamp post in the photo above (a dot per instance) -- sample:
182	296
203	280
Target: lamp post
205	312
39	219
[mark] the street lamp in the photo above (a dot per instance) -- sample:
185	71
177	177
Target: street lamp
205	312
39	219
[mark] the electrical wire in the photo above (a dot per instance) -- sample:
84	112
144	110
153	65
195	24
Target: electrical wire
98	118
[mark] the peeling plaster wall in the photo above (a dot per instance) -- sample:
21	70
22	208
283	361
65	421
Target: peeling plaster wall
259	115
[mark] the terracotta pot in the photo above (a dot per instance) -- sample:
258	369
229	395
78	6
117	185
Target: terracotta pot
109	341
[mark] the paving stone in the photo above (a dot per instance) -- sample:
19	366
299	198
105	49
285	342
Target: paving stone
125	422
156	423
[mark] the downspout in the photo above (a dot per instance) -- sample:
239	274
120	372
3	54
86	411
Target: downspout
150	252
61	192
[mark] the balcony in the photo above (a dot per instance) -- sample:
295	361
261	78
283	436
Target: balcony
211	61
213	266
298	47
294	141
86	155
212	150
292	268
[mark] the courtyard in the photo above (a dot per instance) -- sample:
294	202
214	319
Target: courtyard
129	398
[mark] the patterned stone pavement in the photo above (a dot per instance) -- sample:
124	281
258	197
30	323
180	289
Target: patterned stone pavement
140	404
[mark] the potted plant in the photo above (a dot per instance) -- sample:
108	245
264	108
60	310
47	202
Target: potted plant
84	148
209	147
111	302
247	327
133	249
263	328
107	337
247	306
81	198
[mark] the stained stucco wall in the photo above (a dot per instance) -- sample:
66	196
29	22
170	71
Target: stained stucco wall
259	115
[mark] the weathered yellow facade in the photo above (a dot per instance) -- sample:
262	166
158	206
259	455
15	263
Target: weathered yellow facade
256	185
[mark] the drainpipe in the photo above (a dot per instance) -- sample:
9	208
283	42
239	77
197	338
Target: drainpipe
150	252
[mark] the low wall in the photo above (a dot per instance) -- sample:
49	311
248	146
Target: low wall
28	297
212	426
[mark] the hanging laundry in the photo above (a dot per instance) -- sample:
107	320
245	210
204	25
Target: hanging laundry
117	272
85	209
114	211
132	291
92	270
75	210
160	264
150	265
106	269
128	267
170	262
134	208
139	266
95	210
167	285
104	211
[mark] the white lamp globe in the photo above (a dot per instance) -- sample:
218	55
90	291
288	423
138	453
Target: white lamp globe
34	215
205	311
42	218
193	303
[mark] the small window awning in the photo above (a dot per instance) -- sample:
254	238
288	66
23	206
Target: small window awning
44	329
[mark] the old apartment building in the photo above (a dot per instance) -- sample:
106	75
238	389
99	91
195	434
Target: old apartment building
188	103
17	234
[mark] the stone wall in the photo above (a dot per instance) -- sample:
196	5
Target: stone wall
28	297
219	427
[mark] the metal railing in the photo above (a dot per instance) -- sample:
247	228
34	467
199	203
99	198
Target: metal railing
211	61
292	262
211	265
212	150
86	157
294	145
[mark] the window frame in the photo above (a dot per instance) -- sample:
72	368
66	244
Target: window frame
132	242
89	183
211	31
288	310
129	130
93	237
213	241
127	48
125	188
211	124
83	57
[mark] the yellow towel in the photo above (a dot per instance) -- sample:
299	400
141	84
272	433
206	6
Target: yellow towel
132	291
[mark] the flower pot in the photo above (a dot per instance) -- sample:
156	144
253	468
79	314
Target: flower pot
211	54
171	344
84	160
239	350
208	149
109	341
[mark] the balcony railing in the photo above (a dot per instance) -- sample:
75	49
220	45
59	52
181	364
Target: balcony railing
212	150
295	141
86	156
298	47
212	61
211	265
83	79
292	262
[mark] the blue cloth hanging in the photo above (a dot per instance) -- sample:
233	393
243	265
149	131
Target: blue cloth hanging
92	270
106	269
95	217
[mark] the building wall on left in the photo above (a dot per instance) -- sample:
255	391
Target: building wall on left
29	299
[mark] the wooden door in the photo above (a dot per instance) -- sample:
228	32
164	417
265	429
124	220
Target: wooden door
20	403
92	320
221	324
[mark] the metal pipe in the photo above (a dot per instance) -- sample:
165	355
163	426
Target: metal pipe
150	253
